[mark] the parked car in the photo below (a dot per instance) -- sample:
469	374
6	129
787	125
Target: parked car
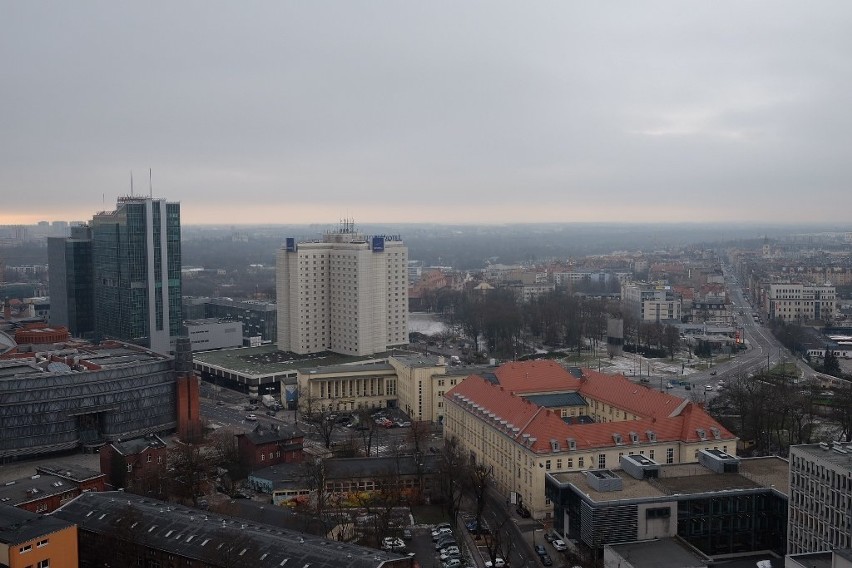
394	544
450	556
523	511
407	534
271	413
450	549
453	563
559	545
708	387
251	417
444	543
546	560
437	533
540	550
550	536
498	563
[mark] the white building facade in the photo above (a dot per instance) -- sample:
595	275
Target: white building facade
801	302
347	293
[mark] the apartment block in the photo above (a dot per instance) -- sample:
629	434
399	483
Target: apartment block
347	293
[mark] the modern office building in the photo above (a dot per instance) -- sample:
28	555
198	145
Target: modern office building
721	506
347	293
820	515
136	264
82	396
72	282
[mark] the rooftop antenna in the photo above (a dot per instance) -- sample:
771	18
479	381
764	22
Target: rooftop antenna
150	185
131	183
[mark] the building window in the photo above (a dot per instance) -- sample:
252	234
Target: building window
26	548
601	461
670	455
129	467
43	563
42	543
547	465
581	462
149	458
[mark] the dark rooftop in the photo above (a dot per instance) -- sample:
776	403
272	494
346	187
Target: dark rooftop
137	445
18	525
192	533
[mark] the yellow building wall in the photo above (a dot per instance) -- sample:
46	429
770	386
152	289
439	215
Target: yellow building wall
60	548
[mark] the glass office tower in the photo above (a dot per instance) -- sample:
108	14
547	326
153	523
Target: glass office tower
137	278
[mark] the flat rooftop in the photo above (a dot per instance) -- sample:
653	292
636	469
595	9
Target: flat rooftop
110	356
830	455
268	359
659	553
688	479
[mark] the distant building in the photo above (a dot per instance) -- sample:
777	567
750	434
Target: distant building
347	293
651	303
258	318
820	498
41	541
211	333
72	282
800	302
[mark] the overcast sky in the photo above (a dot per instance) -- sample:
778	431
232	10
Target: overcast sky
472	112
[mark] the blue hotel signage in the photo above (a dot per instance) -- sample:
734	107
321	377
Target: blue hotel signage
290	244
378	244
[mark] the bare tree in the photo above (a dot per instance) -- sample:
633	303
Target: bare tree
190	466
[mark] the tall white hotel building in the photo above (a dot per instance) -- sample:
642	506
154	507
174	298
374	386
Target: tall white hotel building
347	293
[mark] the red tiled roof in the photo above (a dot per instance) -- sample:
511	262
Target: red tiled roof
536	377
668	417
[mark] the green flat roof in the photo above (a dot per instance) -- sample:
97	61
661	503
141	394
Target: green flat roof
267	359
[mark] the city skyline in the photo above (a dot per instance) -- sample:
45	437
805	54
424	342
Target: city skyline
293	113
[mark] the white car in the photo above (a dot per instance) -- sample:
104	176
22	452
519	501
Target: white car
559	544
498	563
708	387
251	417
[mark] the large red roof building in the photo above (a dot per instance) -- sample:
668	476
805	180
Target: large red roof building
527	419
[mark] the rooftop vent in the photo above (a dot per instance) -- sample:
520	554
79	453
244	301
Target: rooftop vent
603	480
719	461
639	467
